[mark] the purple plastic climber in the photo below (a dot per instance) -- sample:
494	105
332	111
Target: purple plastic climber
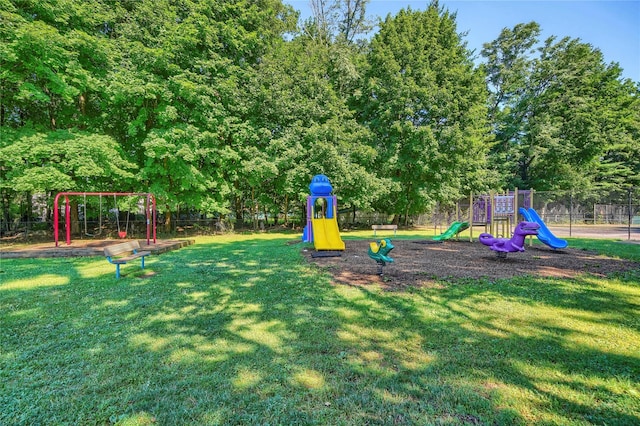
502	246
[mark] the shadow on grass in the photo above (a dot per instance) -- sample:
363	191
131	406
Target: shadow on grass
246	332
550	367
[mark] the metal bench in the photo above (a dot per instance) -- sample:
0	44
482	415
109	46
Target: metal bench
384	227
120	254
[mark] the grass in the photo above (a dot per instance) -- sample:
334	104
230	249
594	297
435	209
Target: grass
612	248
240	330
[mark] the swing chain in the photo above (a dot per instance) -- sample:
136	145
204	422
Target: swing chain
121	234
86	229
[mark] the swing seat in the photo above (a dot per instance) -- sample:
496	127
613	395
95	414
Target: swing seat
122	234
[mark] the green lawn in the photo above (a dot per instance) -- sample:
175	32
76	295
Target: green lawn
240	330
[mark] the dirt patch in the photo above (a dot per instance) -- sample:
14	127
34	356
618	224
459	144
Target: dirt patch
81	248
423	263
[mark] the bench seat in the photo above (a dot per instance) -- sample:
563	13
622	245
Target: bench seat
393	228
120	254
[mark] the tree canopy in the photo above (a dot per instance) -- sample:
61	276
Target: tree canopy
562	118
426	104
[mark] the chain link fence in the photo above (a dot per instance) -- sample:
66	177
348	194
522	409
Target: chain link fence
580	209
570	212
573	213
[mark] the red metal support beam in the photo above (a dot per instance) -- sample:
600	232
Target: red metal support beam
150	212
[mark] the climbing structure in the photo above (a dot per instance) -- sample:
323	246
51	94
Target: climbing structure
322	211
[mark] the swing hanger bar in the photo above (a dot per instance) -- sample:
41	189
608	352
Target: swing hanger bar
139	194
121	234
86	231
150	211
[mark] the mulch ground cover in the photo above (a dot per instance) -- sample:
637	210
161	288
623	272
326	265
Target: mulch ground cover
425	263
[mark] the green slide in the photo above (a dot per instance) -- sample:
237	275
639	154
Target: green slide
454	229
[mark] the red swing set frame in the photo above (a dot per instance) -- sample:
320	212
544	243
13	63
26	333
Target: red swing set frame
149	210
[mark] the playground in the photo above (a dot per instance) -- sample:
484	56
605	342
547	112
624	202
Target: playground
423	262
479	245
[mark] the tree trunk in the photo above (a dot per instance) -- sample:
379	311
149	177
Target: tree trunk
254	209
265	222
73	217
286	210
167	220
6	205
239	213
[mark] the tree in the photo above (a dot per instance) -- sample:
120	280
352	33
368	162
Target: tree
619	165
353	20
52	63
33	161
179	94
585	110
508	71
562	119
303	114
426	105
337	20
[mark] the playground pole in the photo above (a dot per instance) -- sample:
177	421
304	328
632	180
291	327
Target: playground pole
471	217
494	226
55	220
67	212
515	212
531	205
570	211
67	219
630	218
531	197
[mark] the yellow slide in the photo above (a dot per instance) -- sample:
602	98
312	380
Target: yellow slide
326	235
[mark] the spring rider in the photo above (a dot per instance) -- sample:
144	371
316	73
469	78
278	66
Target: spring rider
502	246
379	252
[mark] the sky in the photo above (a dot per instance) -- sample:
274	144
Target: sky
612	26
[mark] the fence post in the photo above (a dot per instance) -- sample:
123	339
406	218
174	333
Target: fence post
570	211
630	218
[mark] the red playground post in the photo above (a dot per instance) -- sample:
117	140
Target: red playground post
149	210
